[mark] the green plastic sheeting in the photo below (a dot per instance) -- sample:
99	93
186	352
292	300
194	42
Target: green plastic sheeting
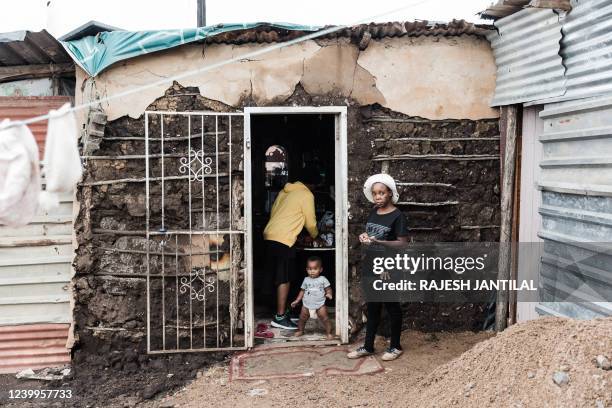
96	53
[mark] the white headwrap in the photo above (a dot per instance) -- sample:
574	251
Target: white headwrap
385	179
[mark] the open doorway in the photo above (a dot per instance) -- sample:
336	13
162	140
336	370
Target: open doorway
280	146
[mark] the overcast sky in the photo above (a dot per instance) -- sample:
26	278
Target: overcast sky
61	16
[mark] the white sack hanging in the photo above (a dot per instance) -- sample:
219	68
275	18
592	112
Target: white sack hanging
62	164
19	175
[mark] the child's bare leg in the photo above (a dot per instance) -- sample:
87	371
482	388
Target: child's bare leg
304	315
324	318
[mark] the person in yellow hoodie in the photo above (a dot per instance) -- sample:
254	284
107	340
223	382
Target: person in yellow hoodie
292	211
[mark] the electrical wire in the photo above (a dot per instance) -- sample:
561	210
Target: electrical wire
210	67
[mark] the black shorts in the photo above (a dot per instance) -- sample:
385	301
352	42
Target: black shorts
280	263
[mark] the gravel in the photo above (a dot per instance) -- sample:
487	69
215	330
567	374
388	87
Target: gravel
560	378
602	362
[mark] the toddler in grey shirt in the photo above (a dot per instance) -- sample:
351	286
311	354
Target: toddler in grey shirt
315	289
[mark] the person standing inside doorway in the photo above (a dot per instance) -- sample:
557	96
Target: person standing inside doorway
293	210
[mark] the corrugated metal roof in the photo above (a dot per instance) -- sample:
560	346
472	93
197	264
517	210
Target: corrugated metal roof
587	48
584	53
526	49
26	107
90	28
33	346
503	8
29	48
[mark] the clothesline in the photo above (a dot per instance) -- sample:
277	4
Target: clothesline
216	65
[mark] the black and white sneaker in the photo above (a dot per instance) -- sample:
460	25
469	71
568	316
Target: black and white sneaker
283	323
391	354
360	352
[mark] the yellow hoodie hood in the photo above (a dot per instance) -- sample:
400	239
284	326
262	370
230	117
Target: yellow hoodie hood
298	185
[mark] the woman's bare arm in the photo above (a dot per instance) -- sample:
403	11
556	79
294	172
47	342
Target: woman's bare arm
400	242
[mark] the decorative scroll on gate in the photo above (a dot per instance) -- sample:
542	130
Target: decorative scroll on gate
195	231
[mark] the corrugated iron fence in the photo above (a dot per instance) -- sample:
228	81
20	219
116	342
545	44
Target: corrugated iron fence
35	269
564	62
25	107
35	274
576	210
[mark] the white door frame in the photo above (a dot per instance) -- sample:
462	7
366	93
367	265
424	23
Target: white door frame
341	211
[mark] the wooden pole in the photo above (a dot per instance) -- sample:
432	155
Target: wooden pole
201	13
509	135
515	225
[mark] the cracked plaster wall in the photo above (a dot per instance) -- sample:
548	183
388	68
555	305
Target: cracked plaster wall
429	77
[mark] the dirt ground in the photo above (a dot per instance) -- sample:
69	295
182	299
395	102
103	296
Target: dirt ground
516	368
424	352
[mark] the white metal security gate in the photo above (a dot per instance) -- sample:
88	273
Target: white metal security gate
196	276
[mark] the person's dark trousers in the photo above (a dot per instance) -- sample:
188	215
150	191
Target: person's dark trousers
394	310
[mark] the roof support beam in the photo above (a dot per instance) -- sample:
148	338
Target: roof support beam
553	4
17	72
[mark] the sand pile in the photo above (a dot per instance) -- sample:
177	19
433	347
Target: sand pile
549	362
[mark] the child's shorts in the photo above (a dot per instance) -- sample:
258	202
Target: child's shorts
313	313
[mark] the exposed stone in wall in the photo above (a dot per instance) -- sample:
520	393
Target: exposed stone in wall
111	266
110	287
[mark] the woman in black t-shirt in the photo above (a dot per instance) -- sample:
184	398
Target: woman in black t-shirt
386	226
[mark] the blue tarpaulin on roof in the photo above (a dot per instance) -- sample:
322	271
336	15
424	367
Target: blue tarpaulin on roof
96	53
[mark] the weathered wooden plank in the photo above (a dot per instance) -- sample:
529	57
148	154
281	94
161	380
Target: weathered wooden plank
16	72
457	157
507	193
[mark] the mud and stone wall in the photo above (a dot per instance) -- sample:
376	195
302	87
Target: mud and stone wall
440	143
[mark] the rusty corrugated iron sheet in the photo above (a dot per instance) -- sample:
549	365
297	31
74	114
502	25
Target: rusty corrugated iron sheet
268	34
25	107
33	346
31	48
